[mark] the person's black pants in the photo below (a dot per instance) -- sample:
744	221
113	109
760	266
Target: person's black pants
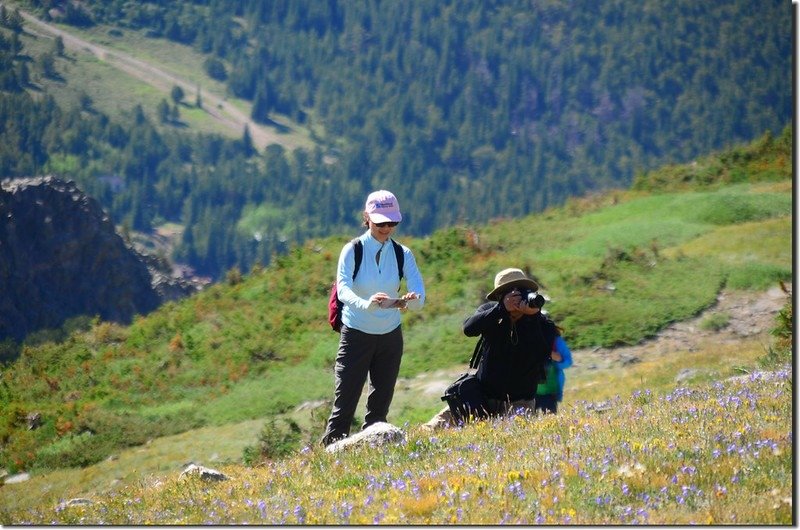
363	355
547	403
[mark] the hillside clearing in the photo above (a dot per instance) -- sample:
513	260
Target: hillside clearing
224	111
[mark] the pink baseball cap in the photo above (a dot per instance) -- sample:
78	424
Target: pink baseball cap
382	207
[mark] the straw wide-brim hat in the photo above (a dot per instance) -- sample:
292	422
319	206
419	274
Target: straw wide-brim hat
507	279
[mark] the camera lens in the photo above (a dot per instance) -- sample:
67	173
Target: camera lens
534	300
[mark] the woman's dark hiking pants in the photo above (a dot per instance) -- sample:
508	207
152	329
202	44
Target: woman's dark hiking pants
362	355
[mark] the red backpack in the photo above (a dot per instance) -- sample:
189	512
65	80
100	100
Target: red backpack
334	304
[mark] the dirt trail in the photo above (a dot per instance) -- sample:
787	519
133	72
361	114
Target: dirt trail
217	107
751	316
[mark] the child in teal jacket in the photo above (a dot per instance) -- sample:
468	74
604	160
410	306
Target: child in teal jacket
551	391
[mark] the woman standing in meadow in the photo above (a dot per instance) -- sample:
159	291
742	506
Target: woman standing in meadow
371	343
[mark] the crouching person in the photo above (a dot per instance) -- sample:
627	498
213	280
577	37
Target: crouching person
520	348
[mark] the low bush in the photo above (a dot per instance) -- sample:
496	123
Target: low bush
100	432
278	438
780	351
715	322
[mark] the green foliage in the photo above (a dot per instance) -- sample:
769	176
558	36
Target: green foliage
716	322
629	299
233	276
757	276
73	450
97	434
177	94
277	439
9	350
728	209
766	159
781	351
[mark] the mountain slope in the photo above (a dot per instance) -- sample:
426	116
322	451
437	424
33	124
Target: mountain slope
467	111
619	267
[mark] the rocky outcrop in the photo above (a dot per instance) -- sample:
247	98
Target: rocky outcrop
61	257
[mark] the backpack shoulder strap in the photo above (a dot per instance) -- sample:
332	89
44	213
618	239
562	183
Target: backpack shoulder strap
398	253
476	354
358	249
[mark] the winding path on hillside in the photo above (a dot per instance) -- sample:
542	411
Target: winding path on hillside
217	107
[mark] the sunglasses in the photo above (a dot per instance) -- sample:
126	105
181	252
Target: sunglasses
390	224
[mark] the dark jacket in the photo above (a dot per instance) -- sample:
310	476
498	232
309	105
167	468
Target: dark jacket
511	364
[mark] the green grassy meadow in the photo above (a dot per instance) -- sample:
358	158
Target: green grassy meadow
123	407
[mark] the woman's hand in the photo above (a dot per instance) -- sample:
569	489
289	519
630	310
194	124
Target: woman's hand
377	298
406	297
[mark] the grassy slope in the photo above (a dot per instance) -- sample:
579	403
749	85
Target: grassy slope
706	453
245	351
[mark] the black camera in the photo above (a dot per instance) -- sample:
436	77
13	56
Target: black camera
532	298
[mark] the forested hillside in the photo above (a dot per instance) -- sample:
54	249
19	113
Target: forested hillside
467	110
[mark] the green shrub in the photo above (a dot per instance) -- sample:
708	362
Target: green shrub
9	350
780	352
715	322
233	276
74	450
276	440
101	432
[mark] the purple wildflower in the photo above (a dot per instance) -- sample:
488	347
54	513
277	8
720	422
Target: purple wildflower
516	490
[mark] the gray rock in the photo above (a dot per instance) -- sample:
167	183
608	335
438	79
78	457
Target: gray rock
205	473
627	359
16	479
376	434
34	420
73	503
313	405
763	376
685	375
